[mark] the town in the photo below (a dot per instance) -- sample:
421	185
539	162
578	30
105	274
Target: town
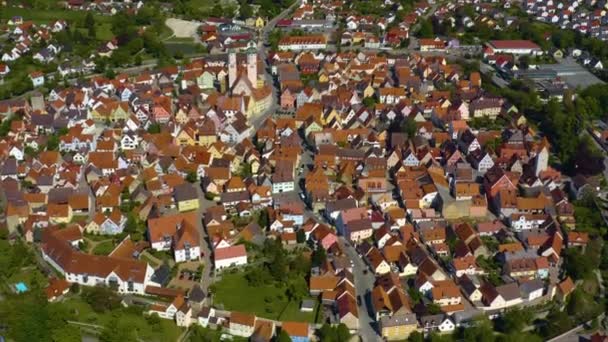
309	170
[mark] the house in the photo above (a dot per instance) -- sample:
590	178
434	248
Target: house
355	224
176	232
283	177
241	324
186	197
230	256
37	78
348	312
297	331
440	322
56	289
125	275
426	45
515	47
306	42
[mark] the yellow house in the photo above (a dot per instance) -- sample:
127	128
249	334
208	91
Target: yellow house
187	205
206	139
113	111
323	77
329	117
181	116
186	137
313	127
368	91
398	328
186	197
259	22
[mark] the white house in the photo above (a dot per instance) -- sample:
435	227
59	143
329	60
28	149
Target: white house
37	78
123	275
521	222
230	256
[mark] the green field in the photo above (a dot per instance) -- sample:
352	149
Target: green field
231	285
166	330
46	16
104	248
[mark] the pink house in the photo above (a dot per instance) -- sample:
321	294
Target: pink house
161	114
324	236
288	99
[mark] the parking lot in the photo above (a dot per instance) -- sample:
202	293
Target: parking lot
572	73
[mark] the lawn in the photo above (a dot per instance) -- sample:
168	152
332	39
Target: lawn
104	248
149	260
46	16
166	330
278	307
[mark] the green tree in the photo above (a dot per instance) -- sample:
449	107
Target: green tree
283	336
154	128
319	256
101	298
89	24
245	10
369	102
426	29
192	177
300	236
416	336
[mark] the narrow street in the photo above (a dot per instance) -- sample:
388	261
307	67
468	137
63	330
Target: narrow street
204	203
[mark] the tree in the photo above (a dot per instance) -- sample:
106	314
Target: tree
192	177
89	24
300	236
416	336
283	336
154	128
515	320
369	102
101	298
263	219
52	143
296	289
319	256
426	29
132	223
245	10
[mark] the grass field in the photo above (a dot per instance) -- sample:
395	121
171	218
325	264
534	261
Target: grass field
254	301
46	16
104	248
166	330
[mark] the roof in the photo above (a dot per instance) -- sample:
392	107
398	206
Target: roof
242	318
513	44
164	226
230	252
295	328
75	262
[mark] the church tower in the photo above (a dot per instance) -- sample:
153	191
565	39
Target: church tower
231	68
252	66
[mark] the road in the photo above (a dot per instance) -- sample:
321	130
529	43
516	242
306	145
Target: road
257	120
204	203
364	281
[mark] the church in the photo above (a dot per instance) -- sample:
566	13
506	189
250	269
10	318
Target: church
243	80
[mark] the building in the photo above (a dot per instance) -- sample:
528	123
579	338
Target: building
178	233
123	275
298	43
241	324
230	256
186	197
515	47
